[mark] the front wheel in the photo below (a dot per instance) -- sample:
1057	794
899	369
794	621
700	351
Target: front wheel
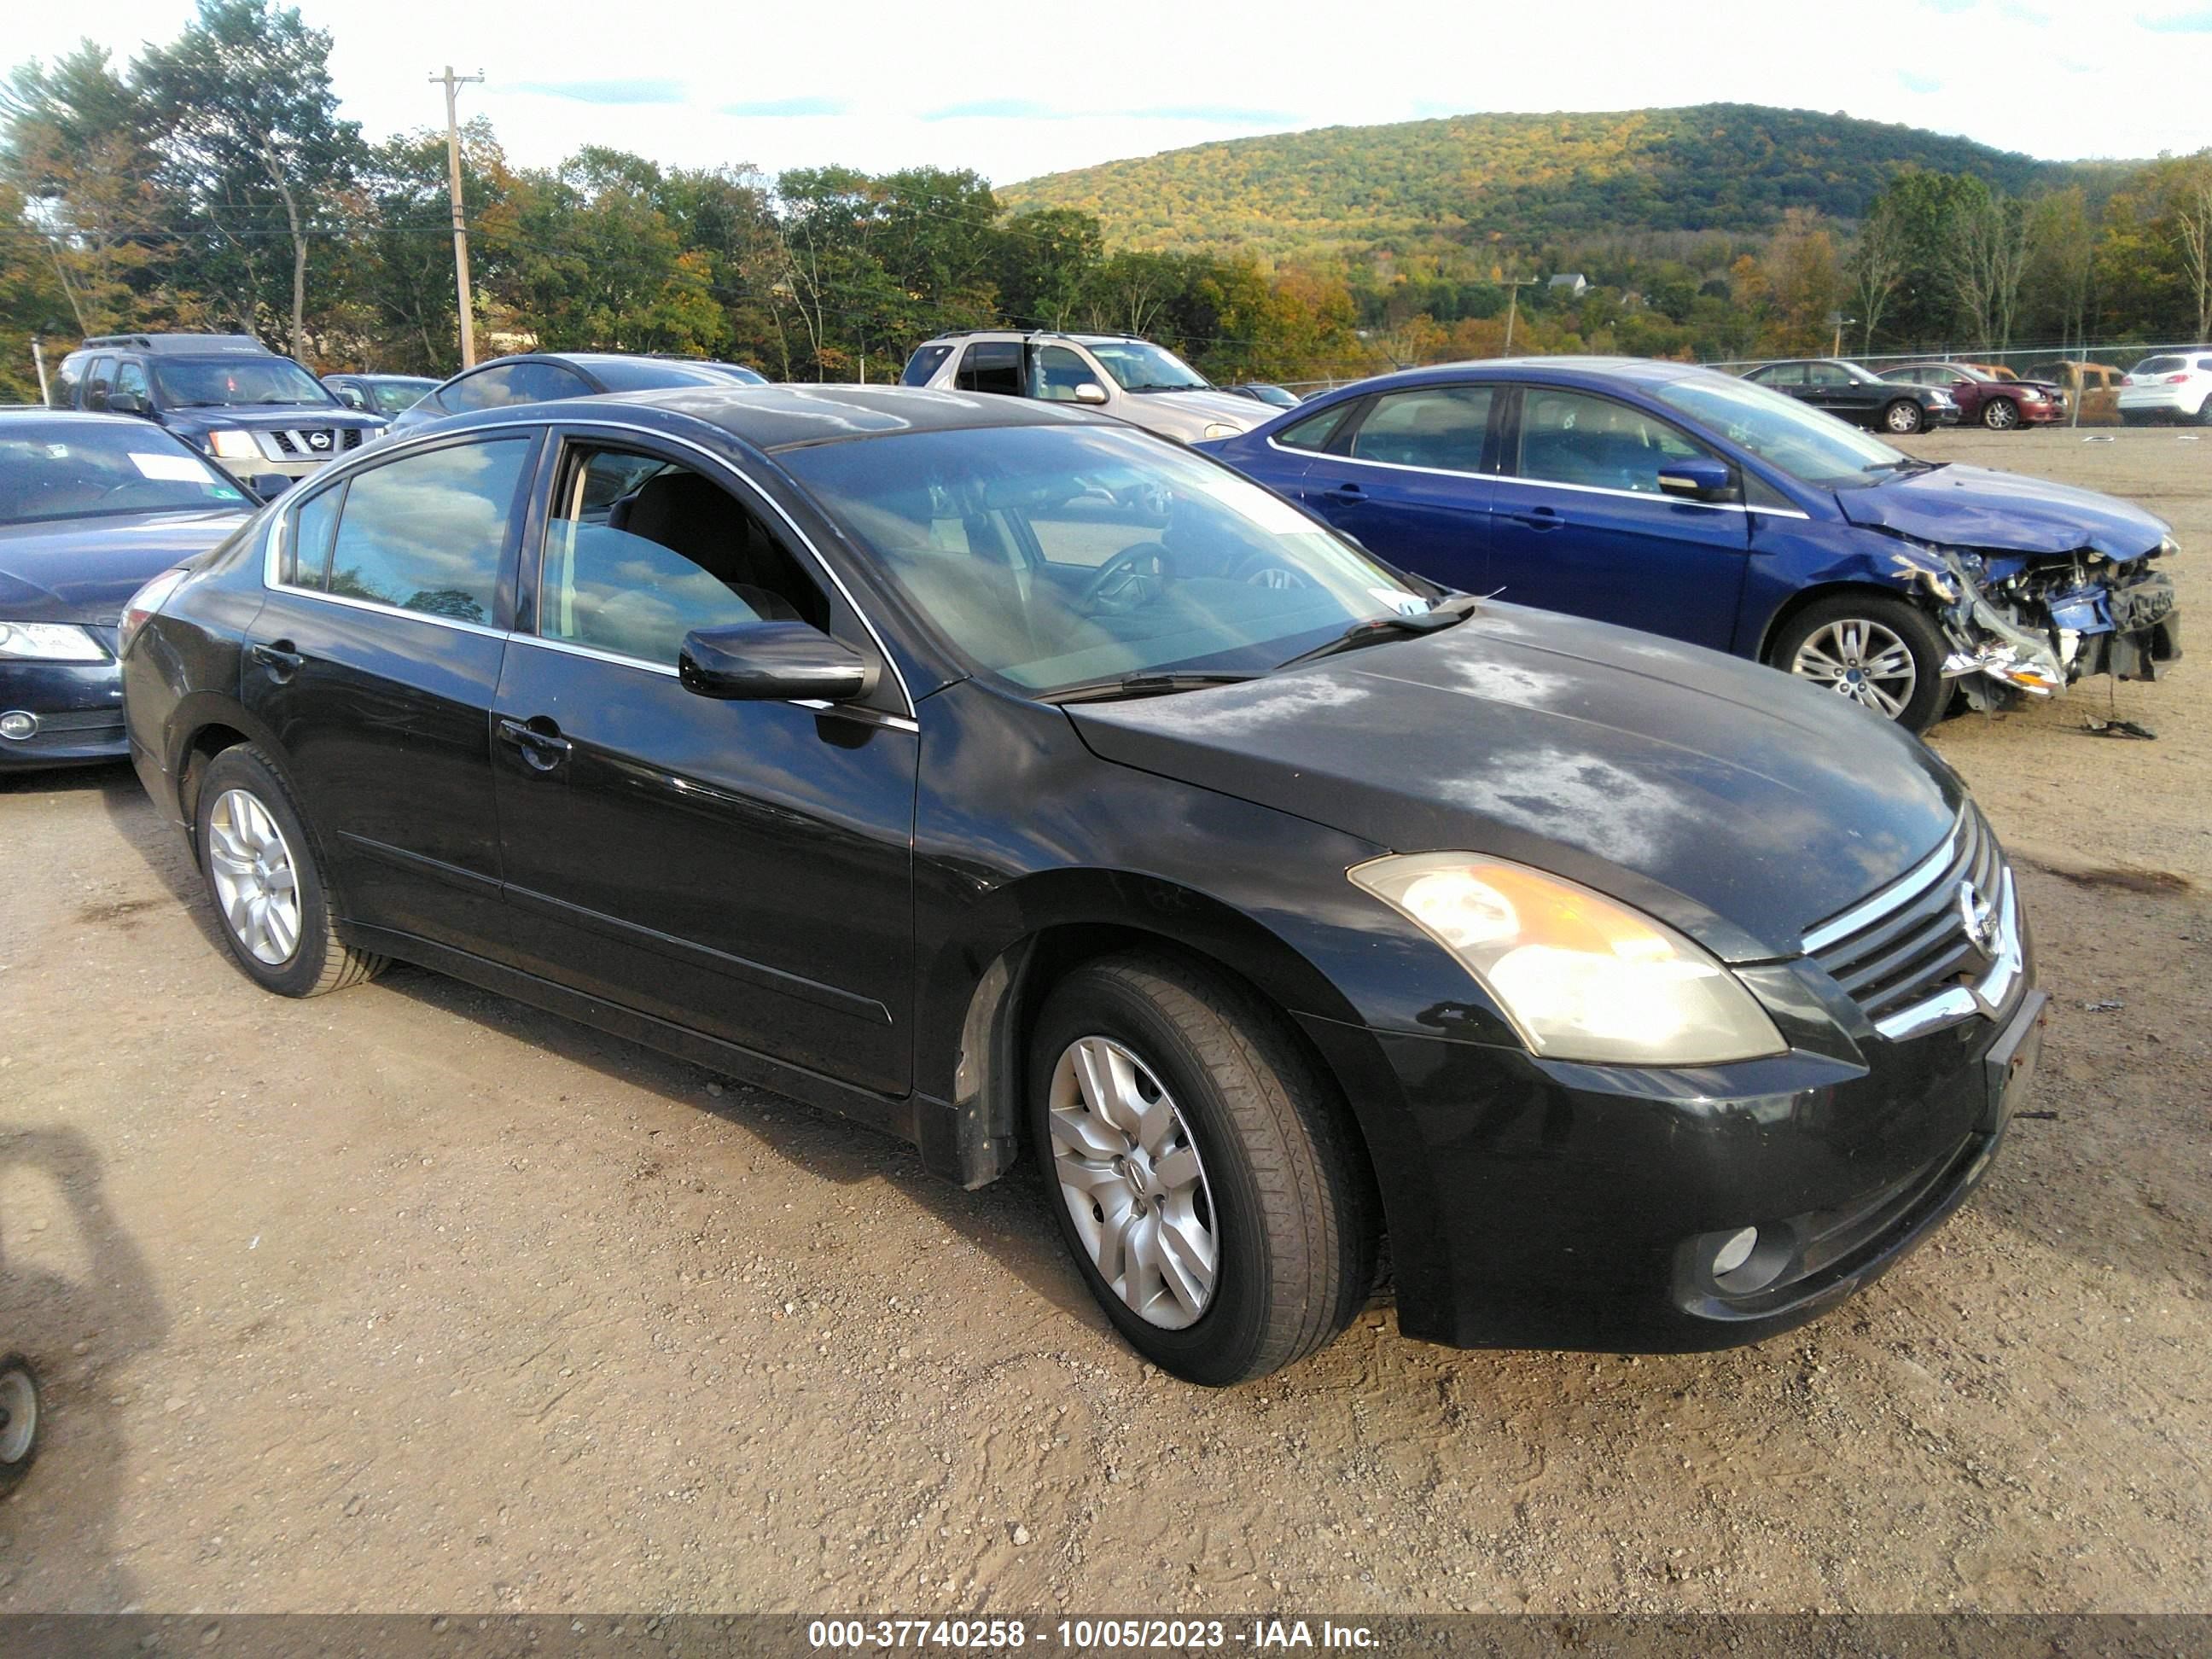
1902	417
268	883
19	1419
2000	415
1881	653
1201	1172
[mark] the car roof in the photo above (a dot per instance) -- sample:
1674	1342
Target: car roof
177	345
773	417
1562	370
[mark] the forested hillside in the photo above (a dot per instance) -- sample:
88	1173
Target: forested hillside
1526	179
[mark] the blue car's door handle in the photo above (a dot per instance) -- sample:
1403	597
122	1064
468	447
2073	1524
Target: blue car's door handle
1542	517
1347	492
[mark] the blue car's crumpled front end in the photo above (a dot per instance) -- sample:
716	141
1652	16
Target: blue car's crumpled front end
2036	584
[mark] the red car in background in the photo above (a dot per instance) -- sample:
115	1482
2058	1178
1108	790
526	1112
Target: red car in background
1996	402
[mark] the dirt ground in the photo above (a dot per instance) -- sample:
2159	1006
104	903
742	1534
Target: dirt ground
412	1299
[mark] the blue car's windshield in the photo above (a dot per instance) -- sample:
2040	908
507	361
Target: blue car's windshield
83	469
1056	557
1811	446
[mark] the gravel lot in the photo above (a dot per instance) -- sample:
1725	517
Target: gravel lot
412	1299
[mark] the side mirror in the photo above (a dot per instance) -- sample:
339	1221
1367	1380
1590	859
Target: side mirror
268	486
351	398
128	403
1089	392
1699	478
772	662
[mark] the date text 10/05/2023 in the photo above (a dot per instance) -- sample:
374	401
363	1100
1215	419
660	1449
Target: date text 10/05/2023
1130	1635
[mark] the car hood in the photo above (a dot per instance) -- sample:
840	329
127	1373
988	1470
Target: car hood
1738	804
280	417
2002	512
82	570
1195	408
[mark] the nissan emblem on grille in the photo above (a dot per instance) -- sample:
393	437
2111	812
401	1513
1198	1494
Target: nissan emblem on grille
1978	917
318	440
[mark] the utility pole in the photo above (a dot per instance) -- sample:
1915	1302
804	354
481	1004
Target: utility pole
454	83
38	363
1513	308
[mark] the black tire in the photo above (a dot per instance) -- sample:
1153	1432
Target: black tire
19	1439
1902	417
2136	417
2204	413
2000	415
1930	692
318	961
1289	1199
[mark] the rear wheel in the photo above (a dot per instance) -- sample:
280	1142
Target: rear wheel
268	882
1199	1170
2204	411
19	1419
2000	415
1880	653
1904	415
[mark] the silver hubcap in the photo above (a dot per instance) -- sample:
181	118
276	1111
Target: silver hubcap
1130	1173
19	1410
256	881
2000	413
1903	418
1863	661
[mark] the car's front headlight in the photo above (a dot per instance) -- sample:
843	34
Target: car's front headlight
233	445
1581	976
1221	430
48	642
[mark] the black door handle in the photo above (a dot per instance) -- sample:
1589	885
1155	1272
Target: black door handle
543	746
1348	492
1542	517
279	659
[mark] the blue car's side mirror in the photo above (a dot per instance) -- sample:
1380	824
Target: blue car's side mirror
1699	478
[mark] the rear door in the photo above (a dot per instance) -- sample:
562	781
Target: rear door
994	366
1413	481
742	869
1582	526
375	660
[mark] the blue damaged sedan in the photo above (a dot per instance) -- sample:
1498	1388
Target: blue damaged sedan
1690	503
92	507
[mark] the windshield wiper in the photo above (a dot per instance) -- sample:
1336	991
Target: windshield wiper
1141	685
1906	464
1375	630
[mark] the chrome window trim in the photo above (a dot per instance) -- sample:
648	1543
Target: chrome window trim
1907	887
362	460
570	648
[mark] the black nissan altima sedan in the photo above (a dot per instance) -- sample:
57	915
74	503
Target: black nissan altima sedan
1033	789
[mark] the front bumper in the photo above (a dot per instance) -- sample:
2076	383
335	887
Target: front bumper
78	708
1559	1205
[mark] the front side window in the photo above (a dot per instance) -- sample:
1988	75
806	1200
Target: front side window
1574	438
1826	375
131	386
218	382
515	383
390	397
88	469
1442	428
1316	431
427	532
642	550
1053	557
994	366
1057	372
926	362
1811	446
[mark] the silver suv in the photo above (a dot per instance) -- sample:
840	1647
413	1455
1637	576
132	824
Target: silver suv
1144	384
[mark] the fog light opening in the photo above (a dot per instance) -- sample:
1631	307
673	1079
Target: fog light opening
16	725
1735	1249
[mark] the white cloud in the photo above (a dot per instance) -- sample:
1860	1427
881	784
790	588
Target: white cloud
869	83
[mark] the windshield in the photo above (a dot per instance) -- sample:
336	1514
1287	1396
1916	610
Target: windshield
1812	446
390	396
83	469
213	382
1140	366
1057	557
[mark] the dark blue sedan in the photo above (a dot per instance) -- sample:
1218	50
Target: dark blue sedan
92	507
1693	504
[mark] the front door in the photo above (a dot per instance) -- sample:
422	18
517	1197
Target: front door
741	869
373	661
1582	526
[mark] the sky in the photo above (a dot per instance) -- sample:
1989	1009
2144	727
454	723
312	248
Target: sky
1015	90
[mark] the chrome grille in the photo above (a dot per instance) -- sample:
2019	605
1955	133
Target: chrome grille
1908	955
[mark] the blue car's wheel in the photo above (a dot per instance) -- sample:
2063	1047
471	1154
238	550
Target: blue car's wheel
1880	653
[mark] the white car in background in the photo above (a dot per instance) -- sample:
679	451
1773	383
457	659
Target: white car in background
1133	379
2171	386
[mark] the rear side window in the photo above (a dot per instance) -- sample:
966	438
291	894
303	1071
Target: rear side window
991	366
2161	366
2204	363
428	533
516	383
306	557
69	378
1442	428
1315	430
925	362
